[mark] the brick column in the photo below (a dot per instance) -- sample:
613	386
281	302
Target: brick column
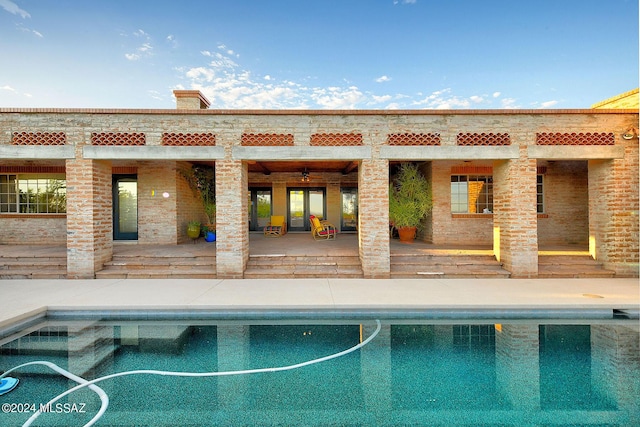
233	355
232	228
89	217
613	212
518	365
615	354
375	363
515	220
373	218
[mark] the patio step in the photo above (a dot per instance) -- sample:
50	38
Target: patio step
22	267
571	266
132	266
452	265
296	266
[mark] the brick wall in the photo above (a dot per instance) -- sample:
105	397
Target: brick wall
566	201
613	211
31	230
448	228
157	202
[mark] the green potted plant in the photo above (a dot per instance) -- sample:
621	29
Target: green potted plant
409	200
201	180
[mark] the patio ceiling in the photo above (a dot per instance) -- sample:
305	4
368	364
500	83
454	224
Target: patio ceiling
268	167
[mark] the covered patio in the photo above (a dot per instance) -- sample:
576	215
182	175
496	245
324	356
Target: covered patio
268	257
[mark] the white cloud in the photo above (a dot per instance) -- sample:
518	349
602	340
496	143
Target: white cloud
496	94
548	104
382	79
9	88
13	8
227	85
145	50
508	103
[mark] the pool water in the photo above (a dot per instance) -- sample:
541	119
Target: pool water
415	373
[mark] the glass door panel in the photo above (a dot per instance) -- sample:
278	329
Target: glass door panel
296	210
125	208
302	203
316	203
349	218
259	208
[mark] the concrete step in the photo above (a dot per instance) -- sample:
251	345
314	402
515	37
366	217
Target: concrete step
571	266
270	266
452	265
30	273
158	273
159	267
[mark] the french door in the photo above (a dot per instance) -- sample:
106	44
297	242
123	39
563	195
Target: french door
349	217
125	207
260	208
303	202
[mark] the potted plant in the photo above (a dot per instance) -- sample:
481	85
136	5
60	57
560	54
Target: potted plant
209	229
201	180
409	201
193	229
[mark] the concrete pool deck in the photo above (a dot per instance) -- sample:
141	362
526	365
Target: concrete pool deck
23	299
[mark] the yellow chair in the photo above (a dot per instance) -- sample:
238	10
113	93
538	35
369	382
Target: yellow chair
322	230
277	227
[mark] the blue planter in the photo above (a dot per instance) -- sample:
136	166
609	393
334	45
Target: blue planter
210	236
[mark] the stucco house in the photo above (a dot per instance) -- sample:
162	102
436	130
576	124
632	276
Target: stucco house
515	181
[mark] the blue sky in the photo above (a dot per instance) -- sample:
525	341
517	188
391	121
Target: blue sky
318	54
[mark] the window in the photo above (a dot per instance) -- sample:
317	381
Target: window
540	193
33	193
471	194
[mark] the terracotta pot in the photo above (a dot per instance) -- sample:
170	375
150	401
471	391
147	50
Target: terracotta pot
407	234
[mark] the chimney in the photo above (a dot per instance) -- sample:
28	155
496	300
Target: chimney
190	100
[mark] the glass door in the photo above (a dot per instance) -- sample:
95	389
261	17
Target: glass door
125	207
259	208
349	217
303	202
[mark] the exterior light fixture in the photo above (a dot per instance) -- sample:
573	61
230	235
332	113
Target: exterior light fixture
305	175
630	134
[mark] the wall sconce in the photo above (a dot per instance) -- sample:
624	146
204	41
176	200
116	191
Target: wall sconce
305	175
630	134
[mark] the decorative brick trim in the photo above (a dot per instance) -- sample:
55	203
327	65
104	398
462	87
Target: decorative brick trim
124	170
471	170
39	138
540	215
335	139
32	169
483	139
575	138
188	139
413	139
267	139
117	138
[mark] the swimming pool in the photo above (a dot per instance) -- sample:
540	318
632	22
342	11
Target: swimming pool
467	372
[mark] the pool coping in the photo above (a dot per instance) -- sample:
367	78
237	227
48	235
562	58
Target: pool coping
434	298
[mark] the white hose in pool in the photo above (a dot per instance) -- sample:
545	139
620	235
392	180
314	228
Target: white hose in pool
82	383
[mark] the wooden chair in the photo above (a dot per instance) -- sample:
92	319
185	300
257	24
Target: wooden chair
277	227
322	230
